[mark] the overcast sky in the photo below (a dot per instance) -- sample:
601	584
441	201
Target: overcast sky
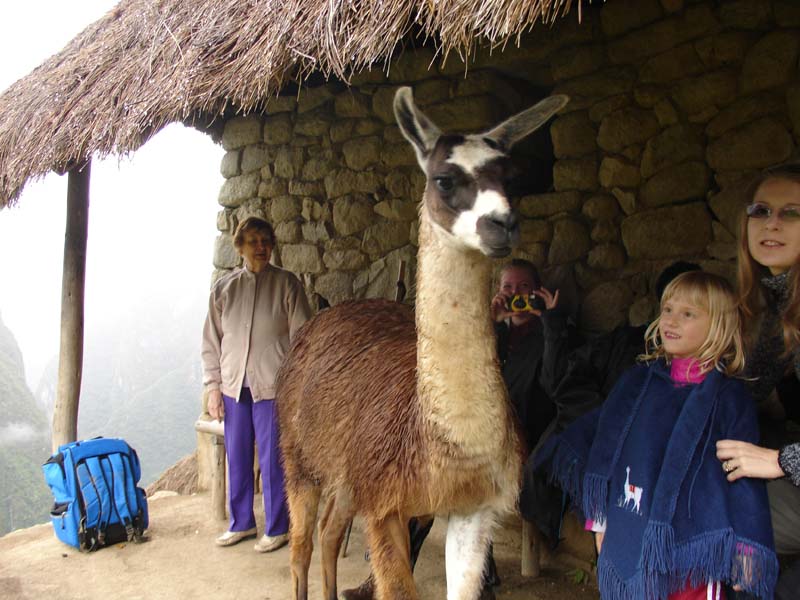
138	256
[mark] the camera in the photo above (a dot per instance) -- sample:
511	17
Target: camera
524	303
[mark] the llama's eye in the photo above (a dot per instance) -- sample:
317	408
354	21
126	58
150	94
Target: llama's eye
445	184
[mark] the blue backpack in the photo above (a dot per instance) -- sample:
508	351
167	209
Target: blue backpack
97	502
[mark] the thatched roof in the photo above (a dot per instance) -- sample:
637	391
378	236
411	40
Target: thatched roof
148	63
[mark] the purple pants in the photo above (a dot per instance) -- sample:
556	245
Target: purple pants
246	423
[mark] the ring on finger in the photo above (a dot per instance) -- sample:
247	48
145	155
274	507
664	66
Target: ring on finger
727	466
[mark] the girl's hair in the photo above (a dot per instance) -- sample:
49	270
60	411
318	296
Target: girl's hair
722	348
253	224
749	272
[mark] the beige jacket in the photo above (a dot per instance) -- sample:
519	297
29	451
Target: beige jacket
251	317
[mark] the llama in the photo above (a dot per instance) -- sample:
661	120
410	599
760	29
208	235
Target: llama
400	413
633	494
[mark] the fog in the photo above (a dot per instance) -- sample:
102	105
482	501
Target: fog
151	219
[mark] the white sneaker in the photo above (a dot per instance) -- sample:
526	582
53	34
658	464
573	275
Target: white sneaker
229	538
268	543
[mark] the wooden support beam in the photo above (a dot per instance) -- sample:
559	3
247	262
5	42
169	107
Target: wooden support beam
70	363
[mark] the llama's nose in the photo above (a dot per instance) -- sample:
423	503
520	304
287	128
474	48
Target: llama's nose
509	223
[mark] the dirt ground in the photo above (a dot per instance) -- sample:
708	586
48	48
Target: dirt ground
180	560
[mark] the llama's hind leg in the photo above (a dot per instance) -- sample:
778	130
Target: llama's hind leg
337	513
390	558
468	538
303	500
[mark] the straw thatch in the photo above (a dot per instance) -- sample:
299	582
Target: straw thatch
148	63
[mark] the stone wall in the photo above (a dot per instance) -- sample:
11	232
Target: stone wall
673	104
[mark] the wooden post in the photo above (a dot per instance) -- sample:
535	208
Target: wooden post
70	363
531	543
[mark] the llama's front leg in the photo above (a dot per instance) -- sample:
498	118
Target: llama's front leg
468	538
303	500
336	515
390	558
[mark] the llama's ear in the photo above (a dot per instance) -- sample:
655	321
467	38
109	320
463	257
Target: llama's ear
513	129
415	126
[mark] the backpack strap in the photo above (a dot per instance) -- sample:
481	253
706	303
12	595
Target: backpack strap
120	495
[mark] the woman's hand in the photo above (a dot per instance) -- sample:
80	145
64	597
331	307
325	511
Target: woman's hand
499	308
598	540
215	406
550	300
741	459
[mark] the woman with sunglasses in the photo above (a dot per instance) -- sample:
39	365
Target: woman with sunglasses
769	287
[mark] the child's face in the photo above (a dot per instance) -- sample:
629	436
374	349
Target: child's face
683	327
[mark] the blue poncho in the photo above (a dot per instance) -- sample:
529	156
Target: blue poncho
646	463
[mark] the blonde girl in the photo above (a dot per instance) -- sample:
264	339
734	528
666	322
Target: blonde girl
643	467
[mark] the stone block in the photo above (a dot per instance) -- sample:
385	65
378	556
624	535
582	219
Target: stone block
758	144
382	103
671	65
605	307
722	250
615	172
625	127
728	206
392	134
771	62
626	200
467	114
306	188
667	232
575	174
351	104
225	255
224	222
229	167
352	214
665	113
288	162
287	232
344	181
342	129
607	257
570	242
696	21
579	61
281	104
344	260
787	13
368	127
398	155
254	157
488	82
622	16
251	208
397	210
745	110
284	208
642	311
314	124
236	190
301	258
545	205
601	207
362	152
599	110
398	184
648	95
745	14
278	129
269	188
335	286
674	145
316	231
378	280
432	91
573	134
535	230
712	89
315	169
311	98
240	132
597	86
726	48
675	184
315	211
380	238
604	232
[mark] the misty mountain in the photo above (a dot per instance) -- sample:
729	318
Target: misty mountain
141	382
24	443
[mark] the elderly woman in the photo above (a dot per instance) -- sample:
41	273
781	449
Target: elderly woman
769	285
252	314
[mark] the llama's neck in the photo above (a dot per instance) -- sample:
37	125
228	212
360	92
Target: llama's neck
459	382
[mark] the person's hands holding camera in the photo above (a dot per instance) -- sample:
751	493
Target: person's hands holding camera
540	300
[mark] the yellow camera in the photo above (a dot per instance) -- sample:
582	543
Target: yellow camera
522	303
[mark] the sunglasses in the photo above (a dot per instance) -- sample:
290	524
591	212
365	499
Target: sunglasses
759	210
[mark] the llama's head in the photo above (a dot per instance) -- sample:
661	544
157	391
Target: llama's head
465	193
